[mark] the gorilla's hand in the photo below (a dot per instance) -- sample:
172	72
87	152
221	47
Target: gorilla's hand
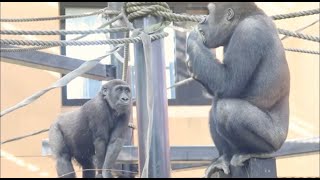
194	47
194	39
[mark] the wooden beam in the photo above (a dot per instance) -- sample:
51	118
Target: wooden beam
56	63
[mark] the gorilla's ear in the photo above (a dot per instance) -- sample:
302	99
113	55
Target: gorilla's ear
105	91
230	14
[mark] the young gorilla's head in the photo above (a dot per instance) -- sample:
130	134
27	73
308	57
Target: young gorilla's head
117	93
218	26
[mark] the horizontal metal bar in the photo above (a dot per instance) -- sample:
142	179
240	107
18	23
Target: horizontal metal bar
205	154
56	63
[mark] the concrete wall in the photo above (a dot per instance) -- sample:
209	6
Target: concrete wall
187	125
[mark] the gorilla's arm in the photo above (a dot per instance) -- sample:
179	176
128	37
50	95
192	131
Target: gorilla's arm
115	144
241	57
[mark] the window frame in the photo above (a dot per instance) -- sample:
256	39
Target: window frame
182	92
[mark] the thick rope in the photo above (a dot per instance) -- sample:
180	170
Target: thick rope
65	32
185	81
130	125
302	51
61	82
25	136
78	43
101	11
299	35
139	9
126	60
114	170
296	14
75	39
303	28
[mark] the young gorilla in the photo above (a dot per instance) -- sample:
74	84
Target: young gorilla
250	110
96	129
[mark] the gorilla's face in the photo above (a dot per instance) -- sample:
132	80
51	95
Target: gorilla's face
118	95
217	27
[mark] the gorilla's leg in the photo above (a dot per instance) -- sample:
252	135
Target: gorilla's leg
252	131
87	166
61	152
218	138
100	148
221	163
64	166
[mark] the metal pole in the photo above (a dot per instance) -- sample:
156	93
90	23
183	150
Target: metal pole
141	102
159	165
118	35
119	69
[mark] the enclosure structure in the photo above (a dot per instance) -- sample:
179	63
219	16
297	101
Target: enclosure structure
126	160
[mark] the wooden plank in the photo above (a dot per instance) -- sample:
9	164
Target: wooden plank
56	63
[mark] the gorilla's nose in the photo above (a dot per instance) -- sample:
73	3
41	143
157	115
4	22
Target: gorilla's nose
124	99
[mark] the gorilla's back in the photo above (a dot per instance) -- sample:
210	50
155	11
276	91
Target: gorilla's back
77	135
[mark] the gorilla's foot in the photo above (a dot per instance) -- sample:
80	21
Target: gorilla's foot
239	159
220	164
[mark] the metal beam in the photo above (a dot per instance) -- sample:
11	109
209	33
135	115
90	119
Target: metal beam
205	154
56	63
253	168
118	35
119	66
159	159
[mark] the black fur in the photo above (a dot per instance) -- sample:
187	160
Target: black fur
95	131
250	110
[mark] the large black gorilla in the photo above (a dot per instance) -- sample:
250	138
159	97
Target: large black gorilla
250	110
97	130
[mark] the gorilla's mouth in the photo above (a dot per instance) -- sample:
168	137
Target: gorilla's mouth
203	37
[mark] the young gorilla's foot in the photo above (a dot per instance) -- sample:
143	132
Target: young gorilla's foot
219	164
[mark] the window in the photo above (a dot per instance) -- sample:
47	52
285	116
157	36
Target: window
82	89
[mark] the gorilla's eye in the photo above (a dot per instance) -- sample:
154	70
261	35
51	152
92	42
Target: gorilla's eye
119	89
127	91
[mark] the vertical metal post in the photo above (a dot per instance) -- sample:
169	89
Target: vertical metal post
119	68
159	165
119	23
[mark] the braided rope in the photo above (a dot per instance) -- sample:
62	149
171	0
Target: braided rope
298	35
97	169
296	14
303	28
64	32
139	9
101	11
134	10
302	51
79	43
126	61
86	66
77	38
130	125
25	136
